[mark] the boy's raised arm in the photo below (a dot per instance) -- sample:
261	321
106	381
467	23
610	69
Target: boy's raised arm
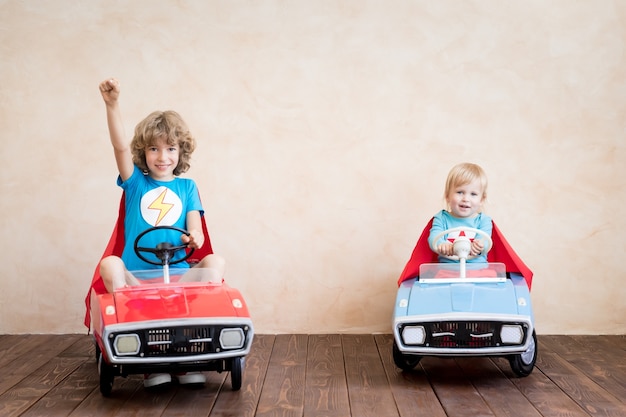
110	90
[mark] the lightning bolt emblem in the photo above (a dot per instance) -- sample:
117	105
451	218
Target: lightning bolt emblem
159	204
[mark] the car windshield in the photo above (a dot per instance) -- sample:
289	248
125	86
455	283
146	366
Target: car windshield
176	275
452	270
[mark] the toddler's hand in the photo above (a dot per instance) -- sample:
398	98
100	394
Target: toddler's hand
477	247
445	249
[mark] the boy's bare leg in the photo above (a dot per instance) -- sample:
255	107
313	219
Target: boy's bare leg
210	269
114	274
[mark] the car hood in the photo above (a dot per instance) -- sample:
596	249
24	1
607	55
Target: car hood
493	298
177	302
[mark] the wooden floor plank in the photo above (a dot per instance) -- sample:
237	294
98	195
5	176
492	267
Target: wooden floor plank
12	347
599	349
411	391
326	392
458	396
545	396
283	391
616	344
590	396
609	345
243	403
35	385
147	402
195	401
95	405
602	362
47	347
368	386
496	389
323	376
65	397
84	347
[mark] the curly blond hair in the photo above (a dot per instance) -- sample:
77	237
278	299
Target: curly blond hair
163	124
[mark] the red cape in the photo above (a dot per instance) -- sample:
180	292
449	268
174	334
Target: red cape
500	252
116	247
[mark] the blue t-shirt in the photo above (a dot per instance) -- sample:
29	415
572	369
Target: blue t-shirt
152	203
444	221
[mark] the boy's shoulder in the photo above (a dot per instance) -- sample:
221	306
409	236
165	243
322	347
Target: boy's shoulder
190	182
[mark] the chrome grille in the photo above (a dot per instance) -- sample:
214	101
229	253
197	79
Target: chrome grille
176	341
463	334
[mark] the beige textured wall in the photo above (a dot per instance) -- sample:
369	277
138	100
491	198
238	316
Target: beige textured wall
326	130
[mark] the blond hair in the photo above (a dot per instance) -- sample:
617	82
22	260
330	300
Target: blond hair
166	125
464	173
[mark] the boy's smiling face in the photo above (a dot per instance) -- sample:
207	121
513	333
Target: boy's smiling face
465	200
162	159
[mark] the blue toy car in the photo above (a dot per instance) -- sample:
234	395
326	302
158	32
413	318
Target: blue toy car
465	309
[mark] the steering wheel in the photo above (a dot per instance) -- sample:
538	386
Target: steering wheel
462	244
164	251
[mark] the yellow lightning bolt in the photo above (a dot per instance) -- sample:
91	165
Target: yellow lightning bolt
164	208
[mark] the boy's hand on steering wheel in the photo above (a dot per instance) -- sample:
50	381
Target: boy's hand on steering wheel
195	240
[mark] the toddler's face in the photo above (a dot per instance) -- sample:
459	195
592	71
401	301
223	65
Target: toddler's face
465	200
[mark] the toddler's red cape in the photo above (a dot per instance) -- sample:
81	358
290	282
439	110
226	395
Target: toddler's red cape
116	246
500	252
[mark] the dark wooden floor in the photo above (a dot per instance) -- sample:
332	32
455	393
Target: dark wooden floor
323	375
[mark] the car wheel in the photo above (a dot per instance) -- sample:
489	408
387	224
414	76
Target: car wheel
403	361
236	372
107	375
523	364
97	352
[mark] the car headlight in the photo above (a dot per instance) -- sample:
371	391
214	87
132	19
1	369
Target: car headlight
511	334
413	335
232	338
126	344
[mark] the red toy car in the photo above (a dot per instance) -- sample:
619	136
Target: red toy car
169	323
